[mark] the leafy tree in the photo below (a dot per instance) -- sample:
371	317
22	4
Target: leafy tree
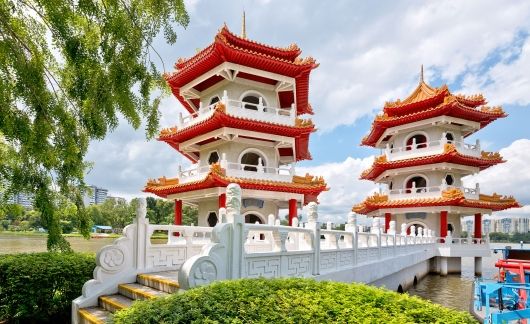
68	71
190	215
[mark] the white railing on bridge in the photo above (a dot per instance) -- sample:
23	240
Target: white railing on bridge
430	148
233	249
431	192
237	108
239	170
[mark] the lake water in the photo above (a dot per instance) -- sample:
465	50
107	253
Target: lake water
453	291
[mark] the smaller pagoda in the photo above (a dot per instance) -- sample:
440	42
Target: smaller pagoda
424	159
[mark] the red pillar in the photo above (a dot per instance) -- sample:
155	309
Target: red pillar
387	221
178	212
293	210
478	225
443	223
222	200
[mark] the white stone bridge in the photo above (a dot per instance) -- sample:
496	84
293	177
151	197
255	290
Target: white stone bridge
137	266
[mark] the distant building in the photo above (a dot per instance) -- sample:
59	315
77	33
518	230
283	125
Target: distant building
500	224
117	199
95	196
25	200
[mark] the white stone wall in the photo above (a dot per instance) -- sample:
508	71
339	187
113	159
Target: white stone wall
434	178
236	91
432	134
233	151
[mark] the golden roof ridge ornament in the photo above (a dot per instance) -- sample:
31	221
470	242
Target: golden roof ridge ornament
244	27
421	74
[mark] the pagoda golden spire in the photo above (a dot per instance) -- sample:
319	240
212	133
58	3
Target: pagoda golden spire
244	27
421	74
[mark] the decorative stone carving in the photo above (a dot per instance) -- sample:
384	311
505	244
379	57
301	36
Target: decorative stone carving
111	258
312	212
233	201
141	209
204	273
413	230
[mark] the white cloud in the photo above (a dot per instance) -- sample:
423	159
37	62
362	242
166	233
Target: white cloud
510	178
370	52
345	187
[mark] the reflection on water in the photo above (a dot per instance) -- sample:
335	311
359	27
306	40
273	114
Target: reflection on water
455	291
37	243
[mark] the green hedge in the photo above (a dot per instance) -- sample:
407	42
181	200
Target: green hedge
289	301
40	287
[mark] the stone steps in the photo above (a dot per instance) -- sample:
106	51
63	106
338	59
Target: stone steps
147	286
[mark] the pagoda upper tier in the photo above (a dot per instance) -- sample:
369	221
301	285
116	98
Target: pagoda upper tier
225	121
231	56
427	103
450	154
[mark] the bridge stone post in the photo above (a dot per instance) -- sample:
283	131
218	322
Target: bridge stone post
392	231
351	226
233	215
314	225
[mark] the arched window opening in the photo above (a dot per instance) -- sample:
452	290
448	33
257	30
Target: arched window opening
419	183
449	137
252	219
449	180
420	140
213	158
215	99
251	161
212	219
251	102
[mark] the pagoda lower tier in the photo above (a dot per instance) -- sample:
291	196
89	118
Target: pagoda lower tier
449	155
441	213
218	119
452	197
308	186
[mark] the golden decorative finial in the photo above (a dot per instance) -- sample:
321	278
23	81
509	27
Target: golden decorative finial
421	74
244	27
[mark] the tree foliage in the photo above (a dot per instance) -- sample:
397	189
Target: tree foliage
69	70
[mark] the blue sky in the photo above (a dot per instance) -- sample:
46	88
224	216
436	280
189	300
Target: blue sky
369	52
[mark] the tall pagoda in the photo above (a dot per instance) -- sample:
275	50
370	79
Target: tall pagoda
425	158
244	101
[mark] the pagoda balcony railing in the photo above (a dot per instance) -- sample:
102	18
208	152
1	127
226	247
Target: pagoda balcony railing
431	192
237	108
239	170
430	148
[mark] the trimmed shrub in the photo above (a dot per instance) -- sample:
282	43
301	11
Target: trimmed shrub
40	287
289	301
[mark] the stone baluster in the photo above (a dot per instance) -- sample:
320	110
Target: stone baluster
271	220
224	99
477	145
351	226
260	166
420	234
449	238
413	143
314	225
291	170
403	234
387	151
201	109
292	113
443	187
477	189
443	140
277	222
224	163
260	105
